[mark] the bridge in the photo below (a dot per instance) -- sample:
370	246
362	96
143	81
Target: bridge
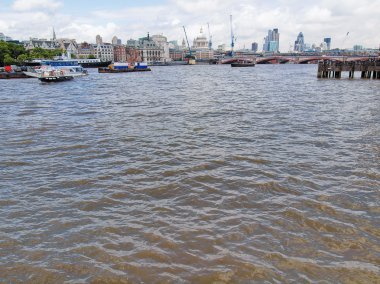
294	59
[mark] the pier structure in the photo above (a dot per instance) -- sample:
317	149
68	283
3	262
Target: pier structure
368	68
282	59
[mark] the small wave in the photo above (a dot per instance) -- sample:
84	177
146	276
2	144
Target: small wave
251	160
16	164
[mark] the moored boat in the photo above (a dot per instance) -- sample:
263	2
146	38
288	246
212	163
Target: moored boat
244	63
93	63
119	67
57	70
12	72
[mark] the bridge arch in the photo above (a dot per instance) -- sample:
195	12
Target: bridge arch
271	59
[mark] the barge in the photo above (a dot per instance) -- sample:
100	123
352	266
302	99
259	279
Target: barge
118	67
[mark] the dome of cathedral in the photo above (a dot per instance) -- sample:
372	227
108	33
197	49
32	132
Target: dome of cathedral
200	41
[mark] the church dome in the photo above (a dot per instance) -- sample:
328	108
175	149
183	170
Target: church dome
201	35
200	42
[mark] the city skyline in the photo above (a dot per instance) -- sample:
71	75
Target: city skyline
83	20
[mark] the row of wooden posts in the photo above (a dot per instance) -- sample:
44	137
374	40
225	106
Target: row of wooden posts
333	69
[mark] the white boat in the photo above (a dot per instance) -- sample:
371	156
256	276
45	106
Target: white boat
57	70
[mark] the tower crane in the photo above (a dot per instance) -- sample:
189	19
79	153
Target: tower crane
233	39
187	41
209	37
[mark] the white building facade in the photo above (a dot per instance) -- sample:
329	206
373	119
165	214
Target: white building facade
162	41
104	51
201	47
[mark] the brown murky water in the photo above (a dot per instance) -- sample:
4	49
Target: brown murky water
199	174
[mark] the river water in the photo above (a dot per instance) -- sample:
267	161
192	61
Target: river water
191	174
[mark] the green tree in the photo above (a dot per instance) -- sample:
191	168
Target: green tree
40	53
22	58
4	50
91	56
16	49
9	60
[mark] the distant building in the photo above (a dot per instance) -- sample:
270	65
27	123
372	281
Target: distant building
183	46
323	46
3	37
327	40
132	43
221	47
69	46
255	47
200	42
104	52
162	42
119	53
85	50
176	54
273	46
201	47
173	44
41	43
150	51
99	39
299	44
358	47
204	54
272	41
116	41
133	55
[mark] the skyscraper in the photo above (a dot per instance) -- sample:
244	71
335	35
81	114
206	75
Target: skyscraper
272	41
255	47
114	40
99	39
327	40
299	44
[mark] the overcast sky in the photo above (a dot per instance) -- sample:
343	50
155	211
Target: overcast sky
84	19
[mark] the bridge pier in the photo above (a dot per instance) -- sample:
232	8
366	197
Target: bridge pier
338	74
369	68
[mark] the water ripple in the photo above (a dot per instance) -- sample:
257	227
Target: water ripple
191	174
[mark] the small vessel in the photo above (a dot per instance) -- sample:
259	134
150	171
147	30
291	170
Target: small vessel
12	72
119	67
57	70
93	63
243	63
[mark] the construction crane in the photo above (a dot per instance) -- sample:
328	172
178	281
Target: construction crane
188	45
232	38
209	37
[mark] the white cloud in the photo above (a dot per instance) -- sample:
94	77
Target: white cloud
28	5
251	21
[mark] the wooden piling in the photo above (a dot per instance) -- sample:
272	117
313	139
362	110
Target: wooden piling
369	68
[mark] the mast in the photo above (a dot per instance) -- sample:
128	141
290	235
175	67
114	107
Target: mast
188	45
232	38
